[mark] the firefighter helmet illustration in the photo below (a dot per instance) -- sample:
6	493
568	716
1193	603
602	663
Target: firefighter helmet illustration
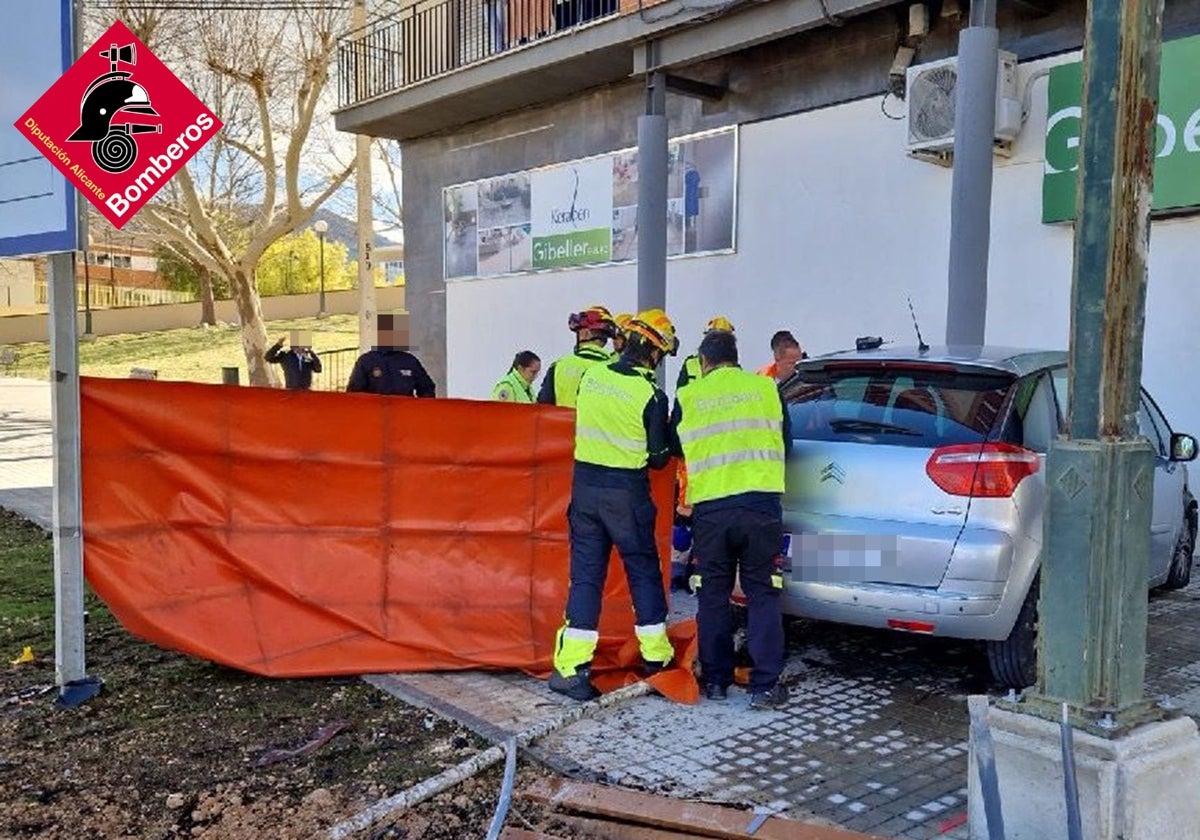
113	147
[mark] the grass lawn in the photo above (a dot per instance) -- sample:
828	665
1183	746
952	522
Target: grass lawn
195	354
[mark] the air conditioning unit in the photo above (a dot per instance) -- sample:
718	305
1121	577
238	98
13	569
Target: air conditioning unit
930	98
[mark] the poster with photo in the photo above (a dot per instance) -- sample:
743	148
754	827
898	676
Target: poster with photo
461	231
572	214
585	212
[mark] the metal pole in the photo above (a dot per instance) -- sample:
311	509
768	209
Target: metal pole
652	195
971	188
68	534
1100	481
87	296
321	304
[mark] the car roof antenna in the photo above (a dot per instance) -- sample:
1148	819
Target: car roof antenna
921	345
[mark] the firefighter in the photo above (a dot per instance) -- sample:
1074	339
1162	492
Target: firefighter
690	369
621	433
593	327
732	430
786	351
682	561
517	384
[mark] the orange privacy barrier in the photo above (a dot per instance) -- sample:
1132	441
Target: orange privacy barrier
292	533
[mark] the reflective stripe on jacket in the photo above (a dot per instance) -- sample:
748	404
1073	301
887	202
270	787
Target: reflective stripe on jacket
610	429
731	433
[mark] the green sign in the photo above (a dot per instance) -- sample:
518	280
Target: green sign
1177	150
582	248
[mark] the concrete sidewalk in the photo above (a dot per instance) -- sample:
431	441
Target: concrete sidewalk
26	450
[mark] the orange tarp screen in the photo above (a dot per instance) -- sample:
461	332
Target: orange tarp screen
302	534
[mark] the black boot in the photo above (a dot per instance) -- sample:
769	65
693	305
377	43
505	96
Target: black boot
577	687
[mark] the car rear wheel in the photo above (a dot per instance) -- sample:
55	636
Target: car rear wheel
1181	564
1013	661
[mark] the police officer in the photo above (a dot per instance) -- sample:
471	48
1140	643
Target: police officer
389	368
517	384
620	431
690	369
593	327
732	429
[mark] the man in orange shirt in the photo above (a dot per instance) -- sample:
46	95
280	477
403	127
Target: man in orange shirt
787	352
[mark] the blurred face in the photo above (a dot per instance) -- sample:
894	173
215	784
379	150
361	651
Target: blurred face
531	372
785	361
392	331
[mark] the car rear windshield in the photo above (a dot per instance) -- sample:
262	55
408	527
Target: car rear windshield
924	406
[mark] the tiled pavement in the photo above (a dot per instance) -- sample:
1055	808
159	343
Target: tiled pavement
874	737
26	453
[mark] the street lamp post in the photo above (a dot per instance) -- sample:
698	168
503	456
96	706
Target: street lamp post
287	285
322	227
87	295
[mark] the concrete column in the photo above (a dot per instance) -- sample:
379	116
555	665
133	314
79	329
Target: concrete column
971	189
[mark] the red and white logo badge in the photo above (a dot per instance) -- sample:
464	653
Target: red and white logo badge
118	124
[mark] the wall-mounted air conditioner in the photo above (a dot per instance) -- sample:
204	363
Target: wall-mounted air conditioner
930	98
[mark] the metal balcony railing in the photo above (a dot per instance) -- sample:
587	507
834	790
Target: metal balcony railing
432	37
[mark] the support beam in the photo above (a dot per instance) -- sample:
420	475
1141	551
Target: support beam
366	229
971	188
1101	480
695	89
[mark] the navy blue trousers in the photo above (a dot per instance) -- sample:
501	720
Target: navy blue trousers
728	541
599	518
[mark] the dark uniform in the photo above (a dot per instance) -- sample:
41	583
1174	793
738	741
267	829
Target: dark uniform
390	371
298	369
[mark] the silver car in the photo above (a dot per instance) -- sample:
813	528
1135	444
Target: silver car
916	493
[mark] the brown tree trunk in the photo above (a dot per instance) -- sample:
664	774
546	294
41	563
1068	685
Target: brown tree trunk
254	331
208	305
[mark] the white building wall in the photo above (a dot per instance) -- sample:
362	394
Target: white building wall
837	226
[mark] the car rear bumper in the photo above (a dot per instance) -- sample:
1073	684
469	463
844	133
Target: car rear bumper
953	614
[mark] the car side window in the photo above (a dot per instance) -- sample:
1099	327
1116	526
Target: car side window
1062	395
1161	427
1147	428
1032	422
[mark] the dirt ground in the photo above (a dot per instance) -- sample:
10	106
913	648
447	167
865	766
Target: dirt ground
177	747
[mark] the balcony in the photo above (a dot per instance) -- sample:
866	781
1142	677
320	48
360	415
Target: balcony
438	64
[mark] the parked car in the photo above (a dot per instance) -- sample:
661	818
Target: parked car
916	493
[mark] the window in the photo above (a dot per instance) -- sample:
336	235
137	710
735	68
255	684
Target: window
122	261
921	406
1154	429
1063	395
1032	422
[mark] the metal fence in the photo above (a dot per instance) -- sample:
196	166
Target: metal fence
335	369
432	37
114	297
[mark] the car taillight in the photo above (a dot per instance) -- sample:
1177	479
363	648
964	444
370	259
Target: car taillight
989	470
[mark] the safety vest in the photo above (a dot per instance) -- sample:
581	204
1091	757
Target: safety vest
691	369
513	388
610	430
570	369
731	433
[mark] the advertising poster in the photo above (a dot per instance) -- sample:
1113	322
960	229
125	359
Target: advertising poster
572	214
585	212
